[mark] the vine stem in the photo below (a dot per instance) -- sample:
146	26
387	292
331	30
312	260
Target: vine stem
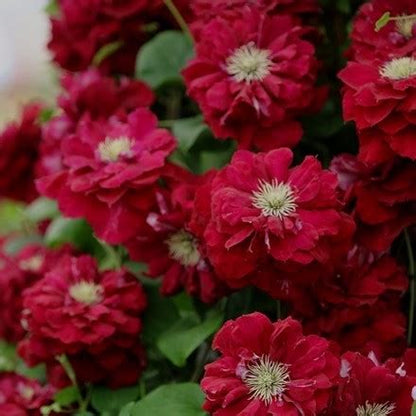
412	286
178	17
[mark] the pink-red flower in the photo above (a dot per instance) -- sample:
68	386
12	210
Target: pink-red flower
369	388
20	396
398	36
89	95
269	368
83	27
110	173
380	97
254	86
382	200
259	209
358	304
172	249
18	273
91	317
19	149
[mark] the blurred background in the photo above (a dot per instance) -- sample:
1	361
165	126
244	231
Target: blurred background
25	71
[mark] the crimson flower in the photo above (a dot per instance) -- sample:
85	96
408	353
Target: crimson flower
18	273
269	368
89	316
370	388
20	396
357	303
253	87
173	250
110	172
91	95
83	27
379	97
398	36
262	210
19	149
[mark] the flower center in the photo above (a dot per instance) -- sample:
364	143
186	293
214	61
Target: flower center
405	24
399	68
183	248
249	63
86	292
32	264
274	199
25	392
112	148
375	409
266	379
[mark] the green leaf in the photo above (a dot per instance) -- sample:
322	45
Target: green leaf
11	216
74	231
67	396
214	159
161	60
413	409
15	244
188	130
106	400
8	357
382	21
41	209
52	8
106	51
344	6
174	400
186	335
160	314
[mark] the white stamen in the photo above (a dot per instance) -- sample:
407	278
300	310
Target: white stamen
249	63
275	199
183	248
86	292
32	264
267	379
377	409
112	148
399	68
405	24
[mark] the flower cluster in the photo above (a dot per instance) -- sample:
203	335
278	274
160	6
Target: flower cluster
84	28
20	396
253	87
92	318
296	258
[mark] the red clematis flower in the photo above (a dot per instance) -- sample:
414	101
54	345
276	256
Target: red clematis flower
83	27
379	97
89	316
397	37
370	388
262	210
20	396
269	368
90	95
19	149
357	304
110	172
17	274
253	87
173	250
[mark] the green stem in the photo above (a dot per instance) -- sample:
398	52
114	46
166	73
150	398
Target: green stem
178	17
201	359
66	365
412	286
